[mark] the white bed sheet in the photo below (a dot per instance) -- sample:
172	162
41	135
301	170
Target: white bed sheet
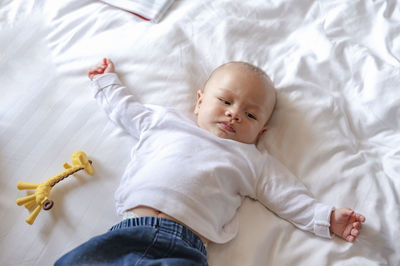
335	64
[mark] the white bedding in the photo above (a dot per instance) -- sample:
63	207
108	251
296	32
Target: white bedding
335	64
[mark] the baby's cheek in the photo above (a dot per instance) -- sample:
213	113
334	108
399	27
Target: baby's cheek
253	132
212	112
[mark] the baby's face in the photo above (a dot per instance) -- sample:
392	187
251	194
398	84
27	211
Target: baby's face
234	104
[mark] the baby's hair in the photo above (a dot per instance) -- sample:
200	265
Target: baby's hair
248	66
258	71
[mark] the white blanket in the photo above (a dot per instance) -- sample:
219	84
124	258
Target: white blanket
334	63
150	10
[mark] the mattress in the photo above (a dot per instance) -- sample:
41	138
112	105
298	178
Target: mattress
335	65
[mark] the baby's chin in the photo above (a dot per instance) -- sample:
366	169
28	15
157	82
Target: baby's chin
219	132
228	135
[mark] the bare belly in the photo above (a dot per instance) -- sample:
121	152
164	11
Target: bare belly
148	211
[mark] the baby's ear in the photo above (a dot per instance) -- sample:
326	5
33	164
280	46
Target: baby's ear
263	130
199	101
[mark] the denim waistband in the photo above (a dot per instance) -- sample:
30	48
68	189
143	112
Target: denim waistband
165	225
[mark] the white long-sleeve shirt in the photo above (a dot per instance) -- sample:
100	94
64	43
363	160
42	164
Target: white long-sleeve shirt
197	177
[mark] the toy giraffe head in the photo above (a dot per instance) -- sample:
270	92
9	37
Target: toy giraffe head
79	158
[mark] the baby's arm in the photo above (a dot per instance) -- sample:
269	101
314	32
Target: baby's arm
346	224
117	100
106	67
285	195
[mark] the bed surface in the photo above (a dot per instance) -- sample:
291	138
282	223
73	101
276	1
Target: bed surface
334	63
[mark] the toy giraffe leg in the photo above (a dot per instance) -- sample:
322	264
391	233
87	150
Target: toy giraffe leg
26	199
27	185
31	218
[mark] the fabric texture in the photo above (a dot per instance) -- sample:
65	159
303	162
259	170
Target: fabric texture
196	177
152	10
140	241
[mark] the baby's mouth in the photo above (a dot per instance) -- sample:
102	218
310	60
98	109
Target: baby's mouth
227	127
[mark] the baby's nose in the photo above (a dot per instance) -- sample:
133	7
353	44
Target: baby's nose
233	115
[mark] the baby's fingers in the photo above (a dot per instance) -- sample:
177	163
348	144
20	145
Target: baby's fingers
359	217
95	71
109	64
357	225
351	232
350	238
91	73
100	68
92	70
347	231
354	232
97	68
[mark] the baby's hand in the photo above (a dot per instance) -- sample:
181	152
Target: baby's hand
106	67
346	223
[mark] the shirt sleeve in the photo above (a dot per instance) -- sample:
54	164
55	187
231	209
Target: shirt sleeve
281	192
120	105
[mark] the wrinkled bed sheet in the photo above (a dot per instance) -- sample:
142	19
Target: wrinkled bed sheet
334	63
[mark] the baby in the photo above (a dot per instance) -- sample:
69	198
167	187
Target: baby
187	179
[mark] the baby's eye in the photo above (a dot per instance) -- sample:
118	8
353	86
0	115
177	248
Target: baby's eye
224	101
251	116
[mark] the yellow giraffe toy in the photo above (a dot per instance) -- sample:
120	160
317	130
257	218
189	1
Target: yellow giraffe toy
42	191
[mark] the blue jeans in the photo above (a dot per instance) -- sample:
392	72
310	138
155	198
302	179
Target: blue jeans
140	241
